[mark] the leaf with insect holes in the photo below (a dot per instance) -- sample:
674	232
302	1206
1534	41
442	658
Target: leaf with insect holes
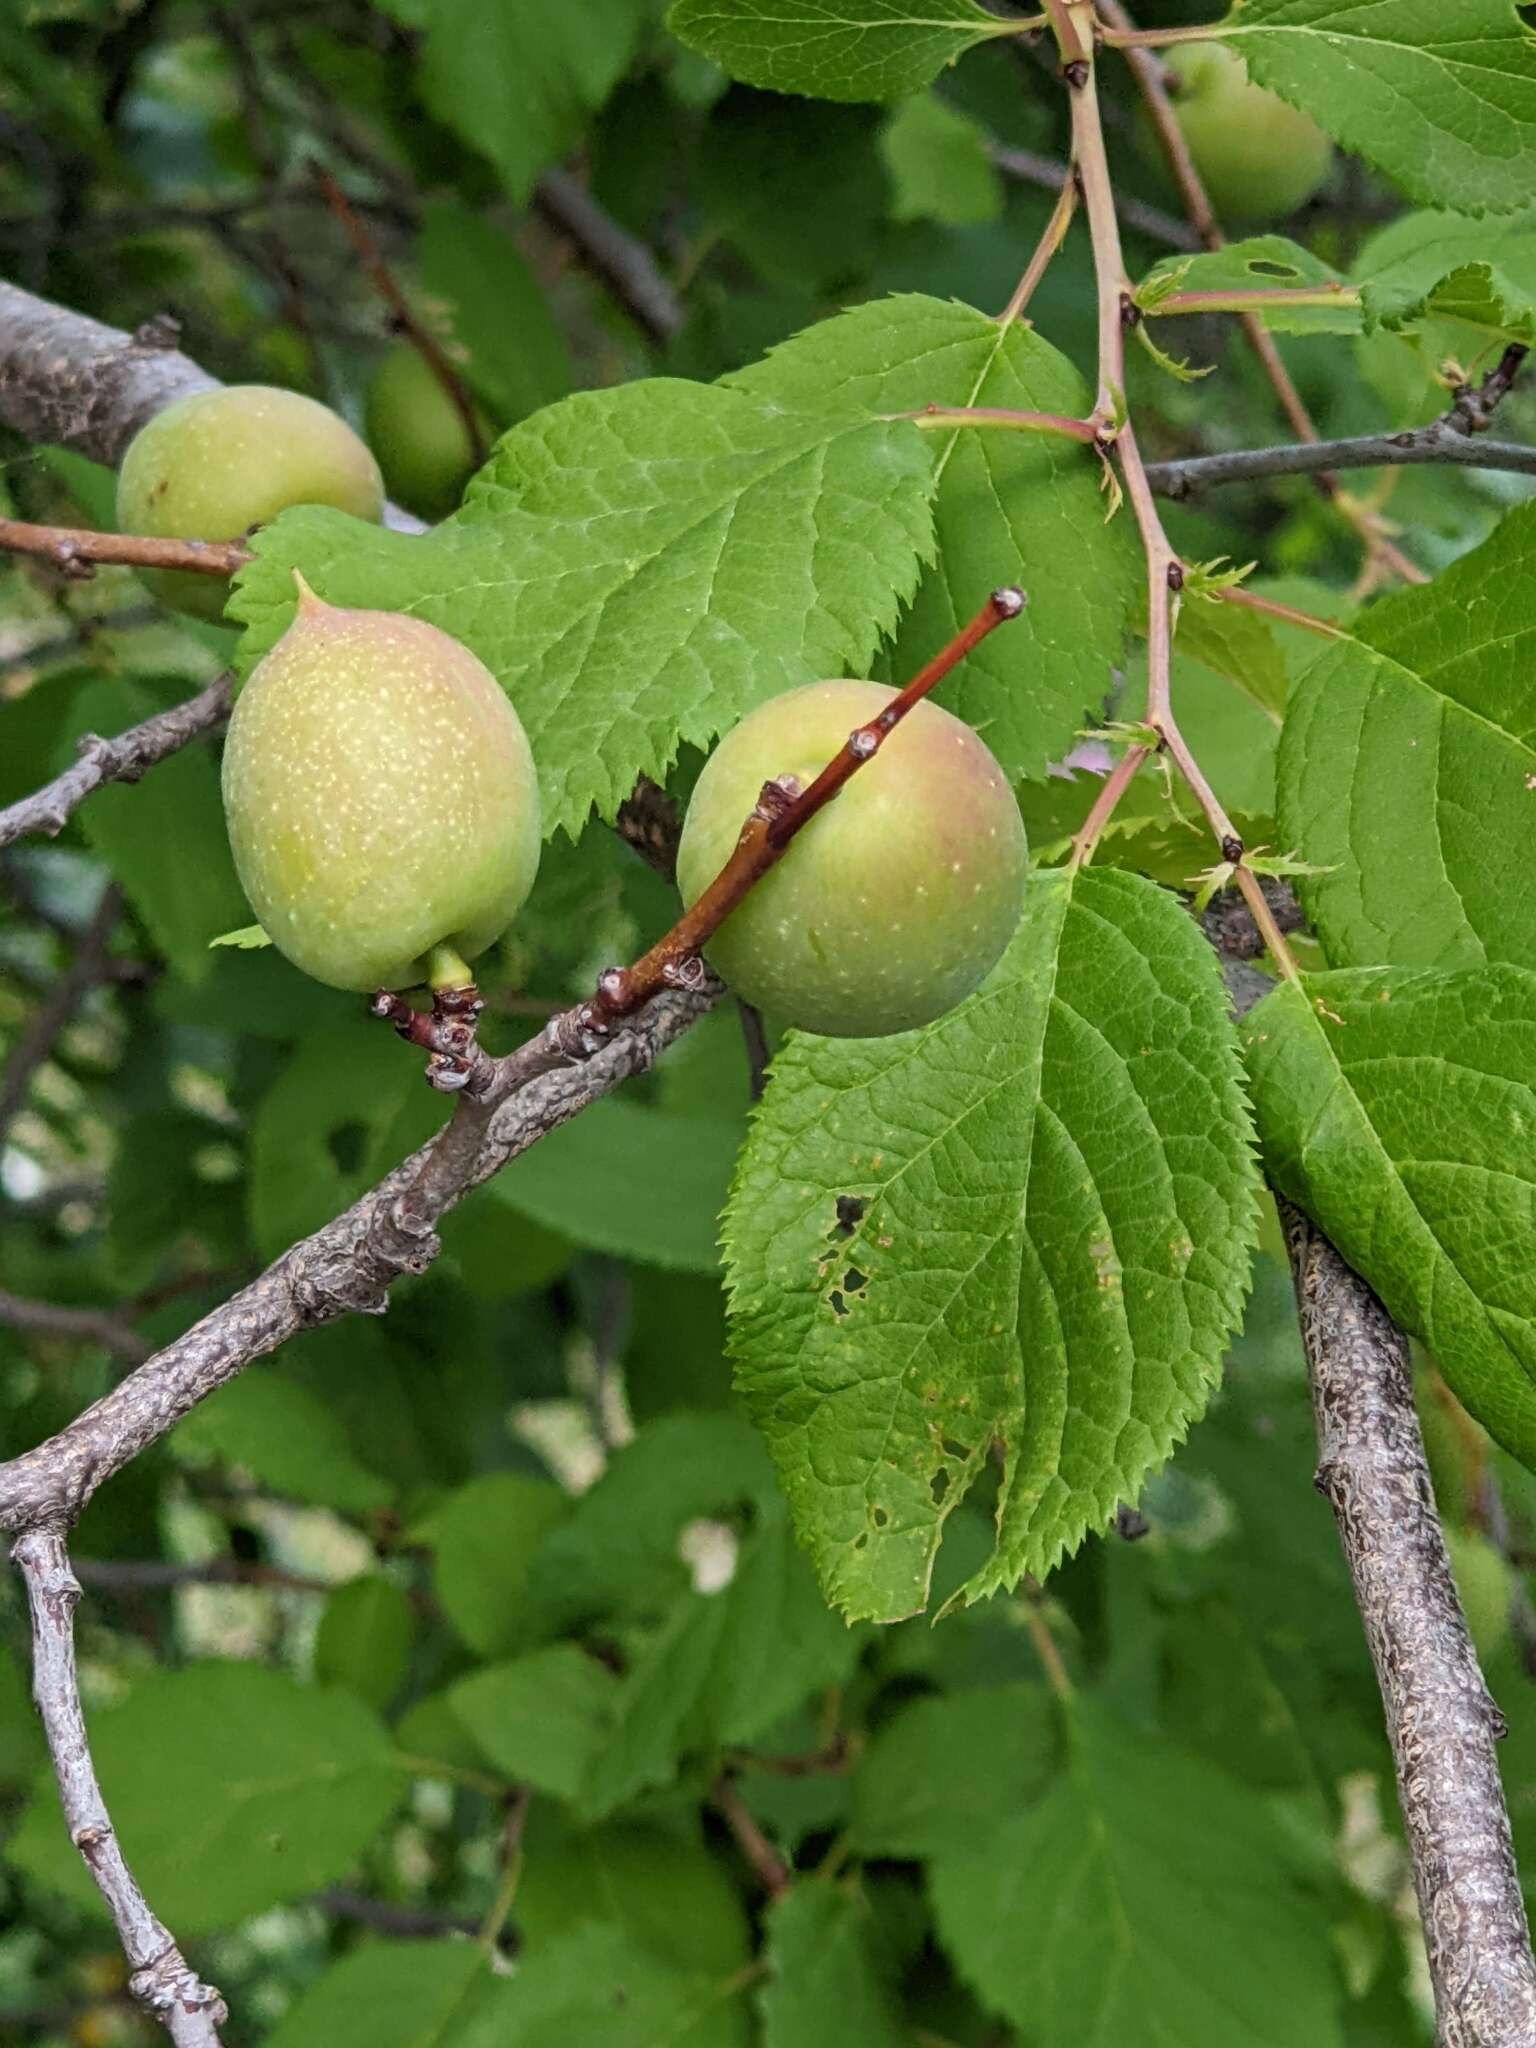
1262	263
1028	1223
639	567
1443	99
834	49
1008	507
1477	274
1397	1110
1407	766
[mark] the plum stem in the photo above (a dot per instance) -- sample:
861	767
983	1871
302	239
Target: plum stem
447	968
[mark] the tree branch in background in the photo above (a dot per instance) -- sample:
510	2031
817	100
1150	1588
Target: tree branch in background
1050	175
162	1982
416	331
57	1007
123	759
1432	444
611	253
1442	1724
73	1325
71	380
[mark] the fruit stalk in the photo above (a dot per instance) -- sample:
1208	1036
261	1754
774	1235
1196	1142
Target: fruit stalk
674	961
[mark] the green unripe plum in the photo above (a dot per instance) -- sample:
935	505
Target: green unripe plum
1486	1582
419	435
1258	157
212	466
381	797
894	901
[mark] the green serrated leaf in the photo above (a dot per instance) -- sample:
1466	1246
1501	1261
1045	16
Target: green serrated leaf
1177	367
1397	1110
518	80
250	938
1442	99
1445	266
834	49
939	166
639	567
825	1988
364	1639
407	1994
231	1787
937	1777
1217	1946
1008	508
599	1984
286	1438
1028	1223
1408	768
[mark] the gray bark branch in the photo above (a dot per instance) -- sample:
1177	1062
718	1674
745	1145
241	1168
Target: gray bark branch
162	1982
348	1266
624	264
1433	444
1441	1722
76	1325
123	759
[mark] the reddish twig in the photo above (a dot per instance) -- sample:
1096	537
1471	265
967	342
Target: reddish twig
420	336
781	812
1286	614
162	1982
768	1866
1119	29
1051	239
78	552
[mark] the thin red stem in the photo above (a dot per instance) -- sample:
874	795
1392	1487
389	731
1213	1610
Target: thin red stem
1287	614
420	336
1051	239
78	552
1116	783
1008	418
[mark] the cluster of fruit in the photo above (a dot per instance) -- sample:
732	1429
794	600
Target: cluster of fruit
383	803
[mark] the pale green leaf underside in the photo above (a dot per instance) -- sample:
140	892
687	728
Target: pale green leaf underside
1407	765
1442	98
1398	1110
834	49
1479	274
1008	508
1139	1901
1056	1195
638	567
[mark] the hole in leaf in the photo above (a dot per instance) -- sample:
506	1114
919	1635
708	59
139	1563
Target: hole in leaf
347	1143
879	1517
953	1450
938	1486
854	1282
1265	266
850	1214
861	1539
839	1306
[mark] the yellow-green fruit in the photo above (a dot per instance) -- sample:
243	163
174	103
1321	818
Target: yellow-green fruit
1258	158
896	899
1486	1583
212	466
380	795
419	435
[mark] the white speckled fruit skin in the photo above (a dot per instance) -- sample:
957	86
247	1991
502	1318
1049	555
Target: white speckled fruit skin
212	466
380	795
896	900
